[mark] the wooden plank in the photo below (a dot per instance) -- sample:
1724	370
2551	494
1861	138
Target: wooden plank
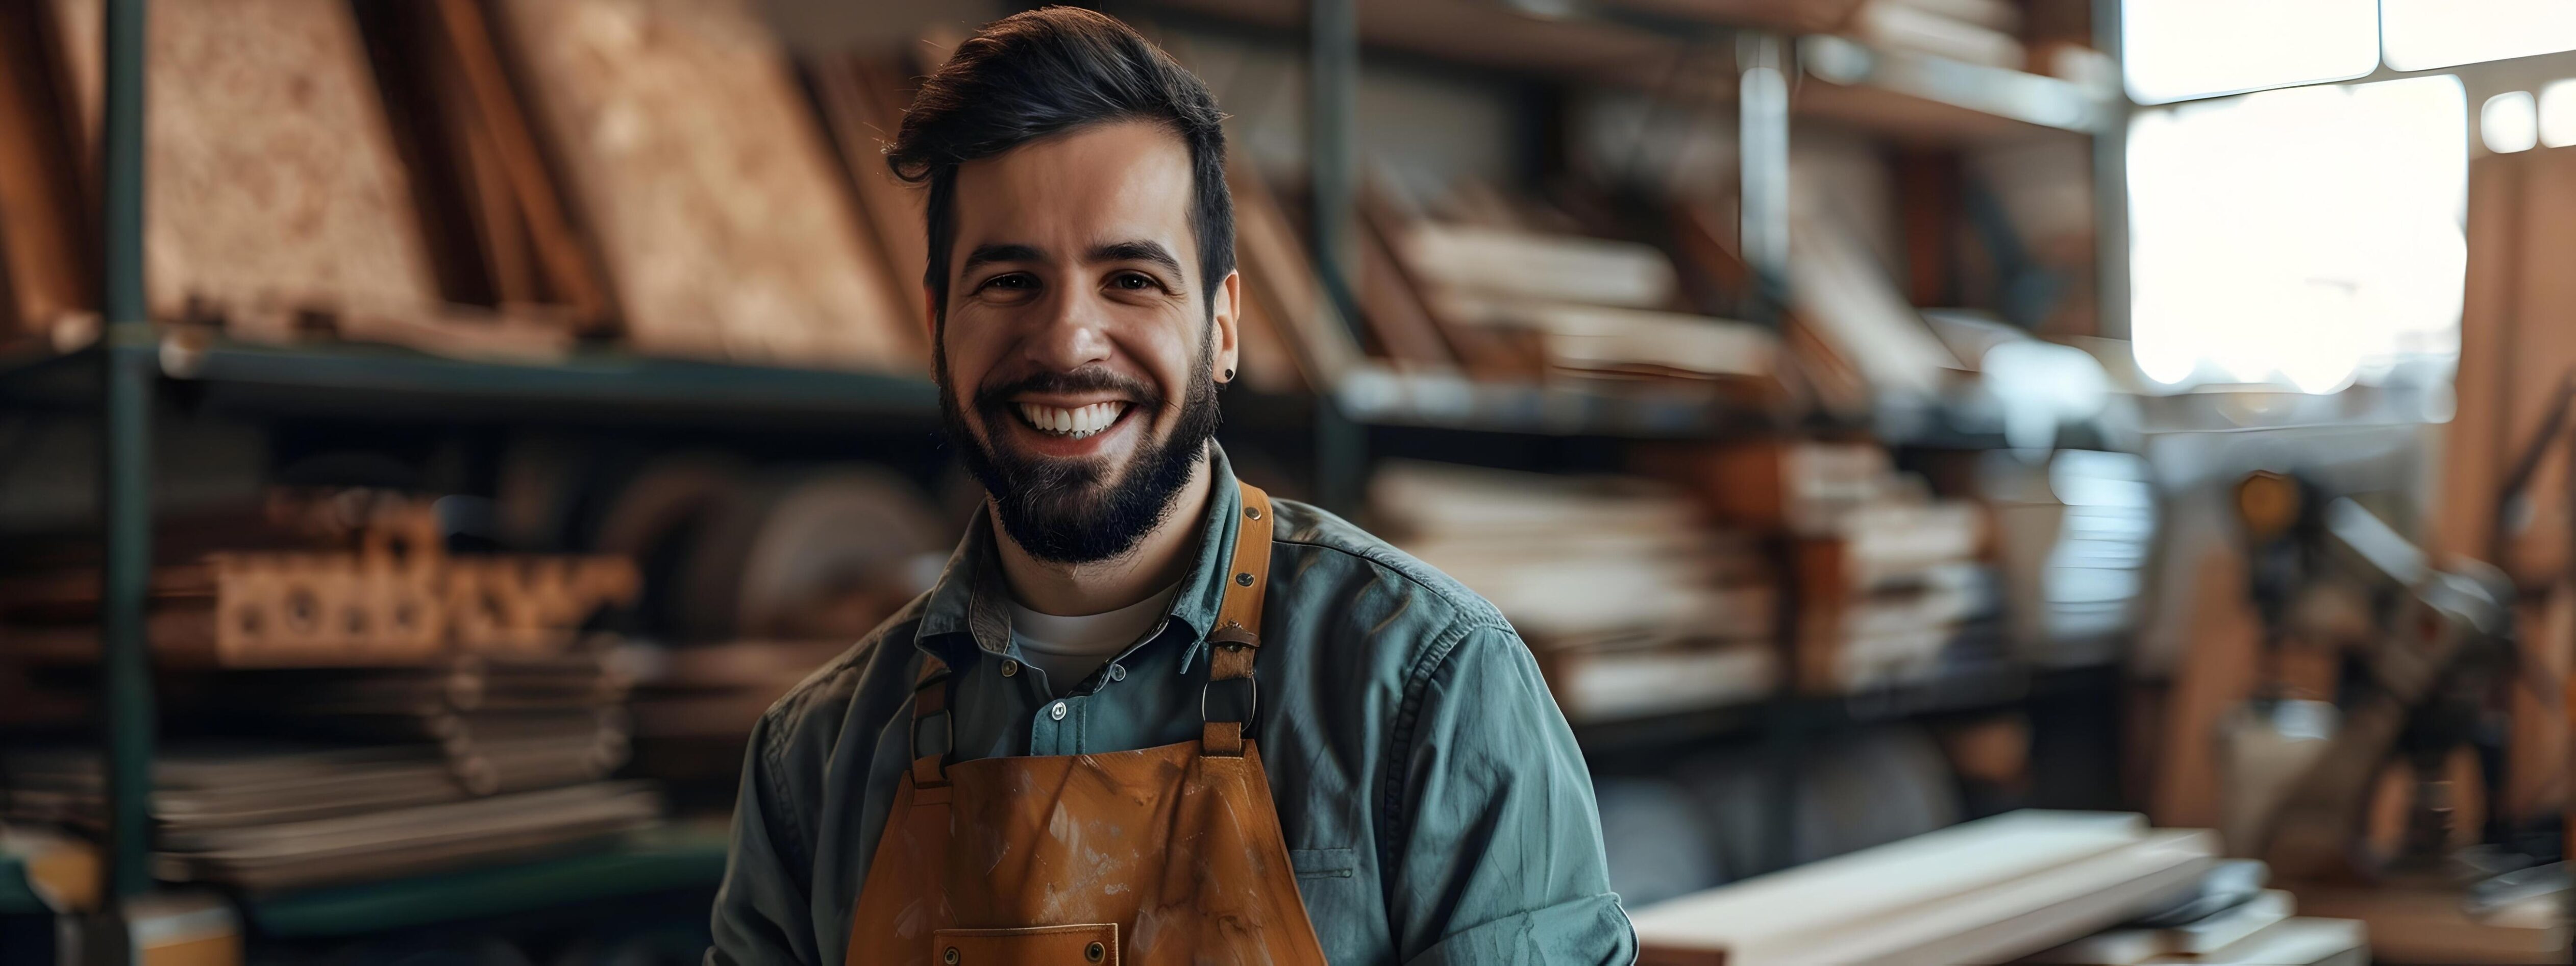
272	173
700	173
2045	909
44	274
1891	877
515	184
1851	303
2128	947
1277	272
863	101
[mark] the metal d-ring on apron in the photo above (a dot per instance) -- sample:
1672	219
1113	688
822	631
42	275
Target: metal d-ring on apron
1163	855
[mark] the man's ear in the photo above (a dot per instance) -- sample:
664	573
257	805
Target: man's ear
1228	311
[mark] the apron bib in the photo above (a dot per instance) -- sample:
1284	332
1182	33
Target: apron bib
1166	855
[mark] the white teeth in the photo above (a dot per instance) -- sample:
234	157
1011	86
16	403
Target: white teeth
1077	422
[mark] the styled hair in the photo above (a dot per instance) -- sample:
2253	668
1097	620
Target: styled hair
1046	72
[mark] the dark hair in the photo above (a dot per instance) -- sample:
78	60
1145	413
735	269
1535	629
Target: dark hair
1045	72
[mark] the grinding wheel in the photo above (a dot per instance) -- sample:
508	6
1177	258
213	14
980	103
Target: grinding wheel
817	555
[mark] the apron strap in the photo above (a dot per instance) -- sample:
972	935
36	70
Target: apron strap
930	700
1236	640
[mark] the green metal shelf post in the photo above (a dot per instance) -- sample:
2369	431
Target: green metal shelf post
126	462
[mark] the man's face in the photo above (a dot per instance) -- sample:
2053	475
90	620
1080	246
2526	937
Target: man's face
1077	366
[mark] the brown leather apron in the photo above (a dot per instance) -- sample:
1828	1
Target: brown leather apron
1160	856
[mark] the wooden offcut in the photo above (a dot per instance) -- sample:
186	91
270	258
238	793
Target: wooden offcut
698	168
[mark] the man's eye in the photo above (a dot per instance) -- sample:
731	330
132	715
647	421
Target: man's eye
1014	282
1133	282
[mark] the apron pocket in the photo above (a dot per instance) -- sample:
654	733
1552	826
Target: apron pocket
1027	946
1321	863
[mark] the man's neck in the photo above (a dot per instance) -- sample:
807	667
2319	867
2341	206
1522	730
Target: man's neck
1159	560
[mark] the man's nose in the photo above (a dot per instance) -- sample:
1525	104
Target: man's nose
1073	335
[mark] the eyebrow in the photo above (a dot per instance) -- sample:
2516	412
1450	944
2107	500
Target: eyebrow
989	254
1137	251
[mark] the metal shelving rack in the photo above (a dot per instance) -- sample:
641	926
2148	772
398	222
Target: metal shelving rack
126	370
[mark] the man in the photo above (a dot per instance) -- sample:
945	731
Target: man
1105	736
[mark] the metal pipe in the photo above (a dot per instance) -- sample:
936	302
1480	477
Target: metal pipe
127	354
1762	146
1333	75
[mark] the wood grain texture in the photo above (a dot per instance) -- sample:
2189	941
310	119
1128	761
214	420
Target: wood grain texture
43	225
698	169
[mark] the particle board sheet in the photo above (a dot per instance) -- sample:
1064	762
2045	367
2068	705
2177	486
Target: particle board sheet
271	170
697	166
1989	889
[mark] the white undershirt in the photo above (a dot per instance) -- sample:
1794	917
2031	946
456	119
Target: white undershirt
1068	649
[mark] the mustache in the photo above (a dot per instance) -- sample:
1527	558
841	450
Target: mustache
996	397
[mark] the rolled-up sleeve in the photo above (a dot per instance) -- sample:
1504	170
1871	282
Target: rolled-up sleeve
1497	854
761	910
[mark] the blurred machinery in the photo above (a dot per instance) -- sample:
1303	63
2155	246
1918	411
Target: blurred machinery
2368	754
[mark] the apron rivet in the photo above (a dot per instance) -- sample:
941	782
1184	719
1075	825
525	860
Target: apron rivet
1252	512
949	957
1095	952
1244	578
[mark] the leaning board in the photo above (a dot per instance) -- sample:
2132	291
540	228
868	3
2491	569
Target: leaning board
270	169
698	168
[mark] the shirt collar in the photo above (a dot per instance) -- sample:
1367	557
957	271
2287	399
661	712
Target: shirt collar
969	609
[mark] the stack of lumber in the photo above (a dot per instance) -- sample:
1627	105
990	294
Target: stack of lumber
356	701
471	177
1633	602
1849	341
1886	579
1982	892
1502	299
365	582
269	816
2260	932
694	707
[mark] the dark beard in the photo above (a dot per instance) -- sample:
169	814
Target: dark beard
1064	511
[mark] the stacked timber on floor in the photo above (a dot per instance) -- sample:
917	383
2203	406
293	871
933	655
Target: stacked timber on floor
1887	582
356	702
1991	891
1634	604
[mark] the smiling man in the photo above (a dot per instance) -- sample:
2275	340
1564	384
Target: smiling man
1148	715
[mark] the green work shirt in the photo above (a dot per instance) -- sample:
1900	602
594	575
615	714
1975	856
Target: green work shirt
1435	805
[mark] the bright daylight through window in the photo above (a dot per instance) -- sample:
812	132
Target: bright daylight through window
2308	236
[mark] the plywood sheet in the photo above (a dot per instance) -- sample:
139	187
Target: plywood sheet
698	169
270	170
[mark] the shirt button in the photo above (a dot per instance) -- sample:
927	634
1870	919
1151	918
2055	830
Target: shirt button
1117	673
1010	668
1056	712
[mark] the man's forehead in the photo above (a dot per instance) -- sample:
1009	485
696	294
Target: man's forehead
1076	192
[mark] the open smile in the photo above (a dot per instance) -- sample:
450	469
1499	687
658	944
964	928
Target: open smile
1075	422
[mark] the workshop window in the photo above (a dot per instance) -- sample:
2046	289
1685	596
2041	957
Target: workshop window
2311	236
